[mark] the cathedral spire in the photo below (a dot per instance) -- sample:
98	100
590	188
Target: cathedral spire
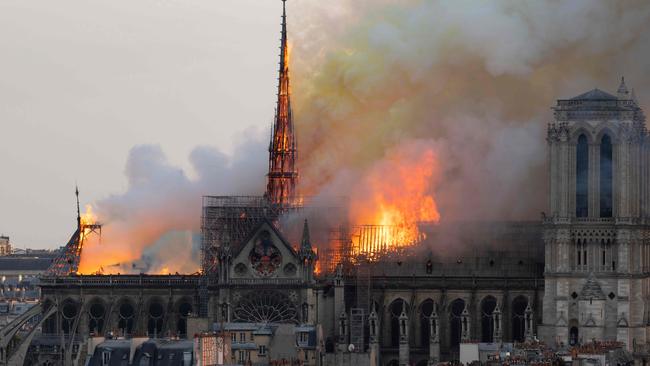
282	176
305	243
76	192
622	91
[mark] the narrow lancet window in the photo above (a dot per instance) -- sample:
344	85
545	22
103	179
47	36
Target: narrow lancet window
606	177
582	177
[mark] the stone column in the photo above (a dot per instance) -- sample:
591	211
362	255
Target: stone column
465	325
434	339
496	332
339	299
403	337
528	323
373	322
343	332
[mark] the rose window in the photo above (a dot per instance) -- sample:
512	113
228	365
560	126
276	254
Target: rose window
265	306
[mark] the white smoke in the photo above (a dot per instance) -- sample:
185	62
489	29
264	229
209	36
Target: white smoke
153	226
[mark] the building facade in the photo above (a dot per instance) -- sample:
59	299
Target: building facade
581	274
597	258
5	246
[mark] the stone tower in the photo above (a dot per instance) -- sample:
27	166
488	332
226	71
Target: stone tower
596	235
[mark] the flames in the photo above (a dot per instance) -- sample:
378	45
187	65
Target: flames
87	220
396	195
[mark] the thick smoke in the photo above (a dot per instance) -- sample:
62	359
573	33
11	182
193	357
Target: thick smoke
471	82
474	79
154	225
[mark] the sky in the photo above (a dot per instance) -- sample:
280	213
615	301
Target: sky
149	104
82	82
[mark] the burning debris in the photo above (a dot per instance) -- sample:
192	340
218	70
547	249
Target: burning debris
393	198
68	261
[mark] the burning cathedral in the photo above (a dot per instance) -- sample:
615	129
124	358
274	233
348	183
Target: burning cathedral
268	293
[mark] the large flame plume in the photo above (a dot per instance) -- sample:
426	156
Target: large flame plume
394	197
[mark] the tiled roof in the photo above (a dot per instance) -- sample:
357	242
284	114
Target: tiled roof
595	94
24	264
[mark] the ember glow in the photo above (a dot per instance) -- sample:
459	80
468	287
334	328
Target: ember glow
399	196
88	219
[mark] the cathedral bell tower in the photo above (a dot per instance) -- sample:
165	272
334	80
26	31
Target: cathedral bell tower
282	176
596	262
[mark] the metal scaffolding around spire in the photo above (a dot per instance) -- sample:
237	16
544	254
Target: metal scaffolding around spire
67	262
283	175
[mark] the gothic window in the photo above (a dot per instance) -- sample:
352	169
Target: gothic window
69	312
426	310
49	325
265	257
395	311
184	311
241	269
126	313
457	307
290	269
266	306
582	177
606	176
488	305
573	336
519	305
155	323
581	254
96	313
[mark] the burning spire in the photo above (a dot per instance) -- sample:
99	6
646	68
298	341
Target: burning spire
76	193
67	262
282	175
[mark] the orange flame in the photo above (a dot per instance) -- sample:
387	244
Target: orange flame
87	218
399	196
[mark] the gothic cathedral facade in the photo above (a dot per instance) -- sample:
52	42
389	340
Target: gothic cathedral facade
596	236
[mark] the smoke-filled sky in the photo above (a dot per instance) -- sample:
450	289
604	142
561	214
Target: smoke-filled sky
150	104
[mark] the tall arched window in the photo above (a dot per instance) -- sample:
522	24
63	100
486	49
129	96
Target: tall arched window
457	307
519	305
606	177
487	318
395	309
426	311
582	177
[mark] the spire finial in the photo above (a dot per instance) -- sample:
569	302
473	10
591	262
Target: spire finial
76	192
622	90
283	56
306	241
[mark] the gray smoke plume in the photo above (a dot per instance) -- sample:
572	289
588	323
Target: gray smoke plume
474	79
154	225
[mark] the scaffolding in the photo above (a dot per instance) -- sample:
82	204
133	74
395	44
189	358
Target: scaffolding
227	220
67	262
374	241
